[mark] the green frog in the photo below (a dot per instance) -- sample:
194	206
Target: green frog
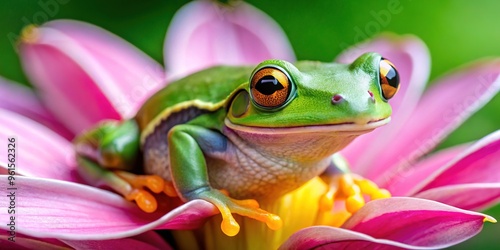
239	135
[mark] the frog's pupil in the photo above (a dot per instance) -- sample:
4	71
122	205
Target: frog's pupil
392	77
267	85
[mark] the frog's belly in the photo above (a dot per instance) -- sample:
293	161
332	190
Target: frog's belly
240	170
157	160
237	172
247	180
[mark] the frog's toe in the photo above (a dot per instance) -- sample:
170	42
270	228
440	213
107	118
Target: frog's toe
351	188
248	208
145	200
250	203
138	188
134	189
170	190
153	182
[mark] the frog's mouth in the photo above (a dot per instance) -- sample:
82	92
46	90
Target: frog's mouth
325	128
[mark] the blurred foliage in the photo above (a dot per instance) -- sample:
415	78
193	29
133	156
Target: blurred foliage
456	32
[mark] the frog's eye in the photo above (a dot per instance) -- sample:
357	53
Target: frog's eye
270	87
389	78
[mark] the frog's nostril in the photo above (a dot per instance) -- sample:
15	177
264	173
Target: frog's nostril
372	98
337	99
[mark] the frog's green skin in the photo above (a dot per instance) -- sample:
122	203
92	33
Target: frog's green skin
188	133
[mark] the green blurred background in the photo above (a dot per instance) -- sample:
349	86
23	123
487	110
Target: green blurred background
456	32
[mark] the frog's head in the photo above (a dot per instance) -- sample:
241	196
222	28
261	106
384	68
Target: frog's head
313	97
280	94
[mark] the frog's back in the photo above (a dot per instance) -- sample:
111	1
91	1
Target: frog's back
210	86
178	103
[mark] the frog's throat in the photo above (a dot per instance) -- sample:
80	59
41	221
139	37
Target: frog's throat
342	127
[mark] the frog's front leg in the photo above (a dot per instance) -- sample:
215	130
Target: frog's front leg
103	154
344	185
187	146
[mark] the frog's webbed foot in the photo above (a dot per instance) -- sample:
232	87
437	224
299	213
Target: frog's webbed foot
188	146
248	208
351	188
143	197
138	188
105	151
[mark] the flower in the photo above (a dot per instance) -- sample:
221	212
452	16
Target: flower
57	204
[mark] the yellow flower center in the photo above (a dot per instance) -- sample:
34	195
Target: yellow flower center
298	209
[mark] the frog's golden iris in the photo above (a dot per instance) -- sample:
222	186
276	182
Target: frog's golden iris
270	87
389	79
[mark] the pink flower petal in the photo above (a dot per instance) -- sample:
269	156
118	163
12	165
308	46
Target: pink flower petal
22	100
416	222
70	211
39	151
394	223
411	57
476	196
323	237
205	33
113	244
444	107
478	164
72	62
407	180
146	241
28	243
